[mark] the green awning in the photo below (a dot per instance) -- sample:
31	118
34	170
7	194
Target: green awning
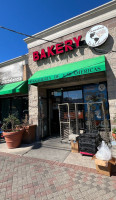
18	87
83	67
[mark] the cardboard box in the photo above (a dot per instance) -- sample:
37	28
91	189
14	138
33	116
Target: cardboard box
74	147
104	170
104	167
103	163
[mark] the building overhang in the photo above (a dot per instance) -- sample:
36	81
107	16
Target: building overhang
84	67
13	88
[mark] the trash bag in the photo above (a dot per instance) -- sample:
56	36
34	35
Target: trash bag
103	153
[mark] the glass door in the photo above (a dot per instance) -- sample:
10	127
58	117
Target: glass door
64	95
55	98
72	97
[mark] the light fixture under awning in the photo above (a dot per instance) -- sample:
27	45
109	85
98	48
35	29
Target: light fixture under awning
18	87
83	67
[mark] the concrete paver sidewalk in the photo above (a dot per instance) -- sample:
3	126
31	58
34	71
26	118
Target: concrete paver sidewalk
47	150
20	151
78	159
37	179
53	150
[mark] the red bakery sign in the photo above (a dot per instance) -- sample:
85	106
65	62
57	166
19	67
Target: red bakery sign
59	48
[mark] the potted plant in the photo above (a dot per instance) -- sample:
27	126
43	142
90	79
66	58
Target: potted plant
12	134
114	119
114	127
114	133
29	131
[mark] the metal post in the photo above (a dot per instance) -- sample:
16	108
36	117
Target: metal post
69	117
76	114
88	107
49	116
40	120
104	117
60	121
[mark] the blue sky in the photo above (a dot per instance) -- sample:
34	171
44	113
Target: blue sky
33	16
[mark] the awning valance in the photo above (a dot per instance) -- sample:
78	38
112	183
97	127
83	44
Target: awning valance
83	67
18	87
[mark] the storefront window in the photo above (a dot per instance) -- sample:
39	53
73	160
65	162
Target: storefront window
5	108
74	96
17	106
57	93
95	96
88	102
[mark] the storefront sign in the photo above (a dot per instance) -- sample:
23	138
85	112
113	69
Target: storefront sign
79	72
11	73
96	36
60	48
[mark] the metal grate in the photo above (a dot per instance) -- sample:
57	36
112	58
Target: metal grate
77	117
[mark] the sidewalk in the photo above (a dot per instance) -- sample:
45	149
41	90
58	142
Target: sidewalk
49	171
25	178
52	150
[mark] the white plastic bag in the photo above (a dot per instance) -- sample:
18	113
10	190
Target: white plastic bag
103	153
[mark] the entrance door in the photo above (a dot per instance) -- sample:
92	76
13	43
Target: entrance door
60	96
75	96
81	96
55	98
43	120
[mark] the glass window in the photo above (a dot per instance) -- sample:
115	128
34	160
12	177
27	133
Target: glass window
74	96
17	107
56	93
5	108
20	107
96	94
14	105
25	105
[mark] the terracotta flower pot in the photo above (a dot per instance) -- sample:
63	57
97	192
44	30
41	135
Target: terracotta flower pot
13	139
29	134
114	135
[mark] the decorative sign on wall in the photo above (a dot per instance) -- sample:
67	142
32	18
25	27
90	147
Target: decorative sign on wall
95	93
96	36
60	48
11	73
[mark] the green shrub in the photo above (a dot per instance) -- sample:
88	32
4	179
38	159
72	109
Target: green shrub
10	123
114	130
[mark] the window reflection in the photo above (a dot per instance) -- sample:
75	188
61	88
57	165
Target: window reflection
14	105
74	96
